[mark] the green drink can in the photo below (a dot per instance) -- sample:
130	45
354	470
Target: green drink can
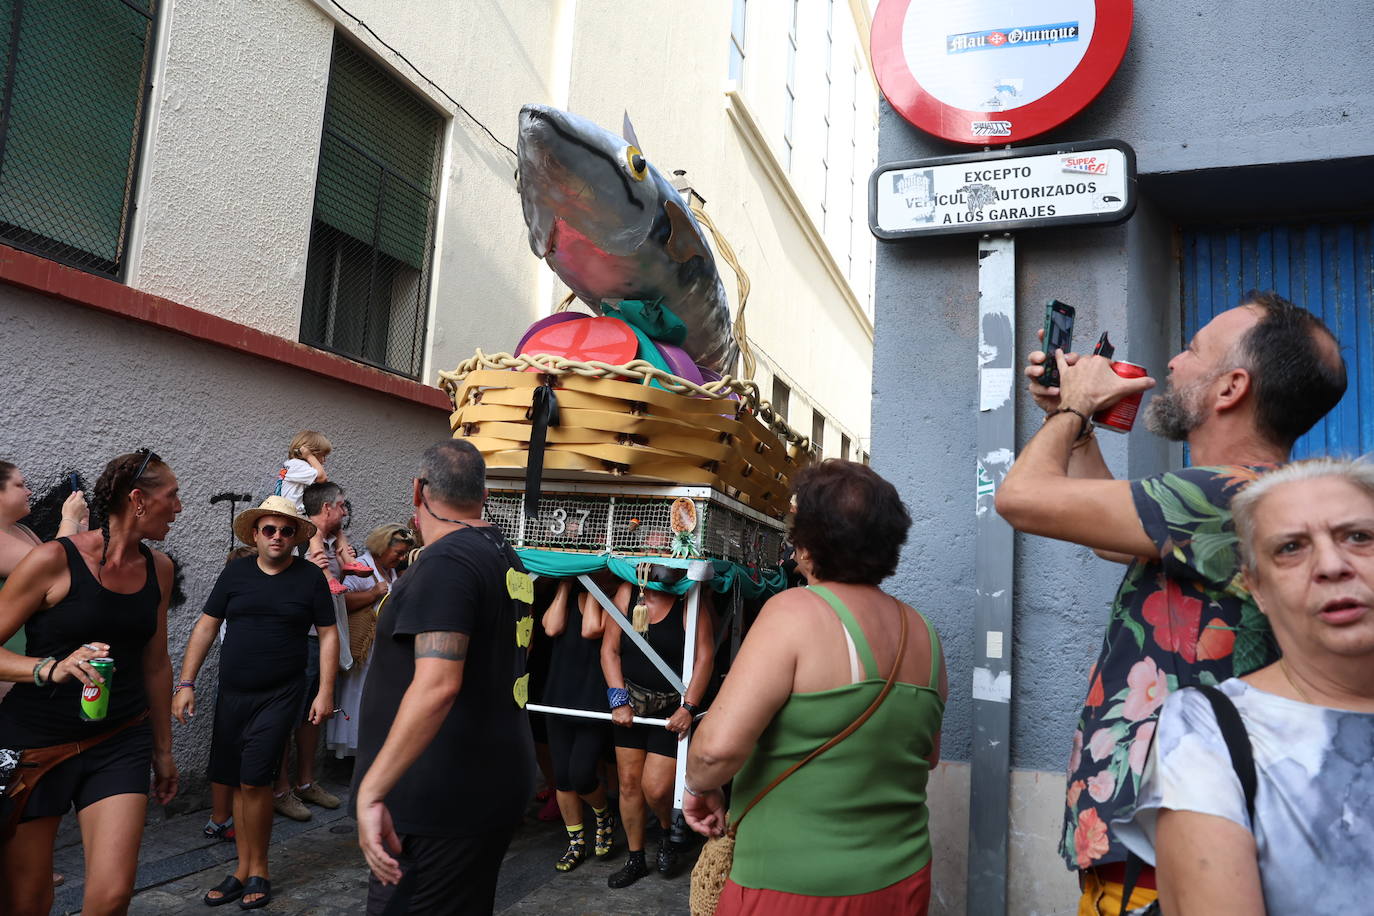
95	698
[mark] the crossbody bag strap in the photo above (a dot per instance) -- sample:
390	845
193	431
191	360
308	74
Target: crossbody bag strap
27	773
1237	744
853	726
52	755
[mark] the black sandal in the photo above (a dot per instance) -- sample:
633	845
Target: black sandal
230	889
256	885
576	852
605	834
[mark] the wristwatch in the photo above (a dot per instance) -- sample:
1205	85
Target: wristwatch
691	707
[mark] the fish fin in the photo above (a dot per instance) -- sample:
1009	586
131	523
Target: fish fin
685	242
627	130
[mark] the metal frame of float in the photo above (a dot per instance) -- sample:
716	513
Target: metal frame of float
730	618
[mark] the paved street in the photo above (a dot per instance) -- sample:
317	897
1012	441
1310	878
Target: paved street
318	870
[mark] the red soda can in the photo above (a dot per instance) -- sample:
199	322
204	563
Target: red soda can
1120	417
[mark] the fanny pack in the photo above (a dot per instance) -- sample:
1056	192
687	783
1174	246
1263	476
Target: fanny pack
20	771
652	704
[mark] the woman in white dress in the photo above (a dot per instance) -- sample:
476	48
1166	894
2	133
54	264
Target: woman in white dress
387	546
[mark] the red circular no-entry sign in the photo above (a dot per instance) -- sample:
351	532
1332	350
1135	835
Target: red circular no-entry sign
991	72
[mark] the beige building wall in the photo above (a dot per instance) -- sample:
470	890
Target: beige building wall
809	311
228	173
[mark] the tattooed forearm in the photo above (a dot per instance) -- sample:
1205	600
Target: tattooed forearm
452	647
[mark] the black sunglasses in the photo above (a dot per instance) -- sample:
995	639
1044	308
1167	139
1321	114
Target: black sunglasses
269	530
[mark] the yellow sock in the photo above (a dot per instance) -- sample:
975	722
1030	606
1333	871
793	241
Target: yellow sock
575	830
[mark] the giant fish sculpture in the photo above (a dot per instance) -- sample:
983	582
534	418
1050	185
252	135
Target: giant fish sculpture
612	227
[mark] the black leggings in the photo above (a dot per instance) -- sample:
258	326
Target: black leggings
576	746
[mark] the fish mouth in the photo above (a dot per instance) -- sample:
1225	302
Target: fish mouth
573	171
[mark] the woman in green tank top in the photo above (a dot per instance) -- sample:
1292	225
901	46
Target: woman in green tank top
848	831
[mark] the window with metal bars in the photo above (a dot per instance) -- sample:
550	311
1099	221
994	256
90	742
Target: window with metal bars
72	105
372	237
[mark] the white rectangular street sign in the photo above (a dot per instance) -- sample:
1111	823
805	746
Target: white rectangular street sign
1004	190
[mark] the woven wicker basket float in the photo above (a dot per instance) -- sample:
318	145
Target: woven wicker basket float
614	423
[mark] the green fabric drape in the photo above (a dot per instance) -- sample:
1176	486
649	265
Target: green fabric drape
752	582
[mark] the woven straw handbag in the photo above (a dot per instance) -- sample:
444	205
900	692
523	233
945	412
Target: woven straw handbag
718	855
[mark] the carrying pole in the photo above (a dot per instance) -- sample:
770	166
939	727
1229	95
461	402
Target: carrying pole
990	802
689	654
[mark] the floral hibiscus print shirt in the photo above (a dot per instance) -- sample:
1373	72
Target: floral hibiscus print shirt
1184	618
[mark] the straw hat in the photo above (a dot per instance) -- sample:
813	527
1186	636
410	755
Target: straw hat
273	505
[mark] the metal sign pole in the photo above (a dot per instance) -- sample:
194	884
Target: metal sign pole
989	801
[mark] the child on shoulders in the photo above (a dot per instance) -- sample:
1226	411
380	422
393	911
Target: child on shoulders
305	465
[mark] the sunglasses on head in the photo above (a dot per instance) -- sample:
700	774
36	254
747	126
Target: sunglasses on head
148	456
269	530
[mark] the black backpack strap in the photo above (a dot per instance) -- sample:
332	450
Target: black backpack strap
1242	761
1237	743
1134	865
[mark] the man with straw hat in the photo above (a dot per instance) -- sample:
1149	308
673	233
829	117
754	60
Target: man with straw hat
269	603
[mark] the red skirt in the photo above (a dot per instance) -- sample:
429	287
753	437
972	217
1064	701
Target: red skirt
908	897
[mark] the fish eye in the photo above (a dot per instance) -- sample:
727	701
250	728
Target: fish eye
639	166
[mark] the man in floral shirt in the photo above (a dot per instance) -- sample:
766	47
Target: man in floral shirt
1248	385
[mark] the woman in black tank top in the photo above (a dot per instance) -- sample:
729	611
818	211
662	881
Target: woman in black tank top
96	594
646	755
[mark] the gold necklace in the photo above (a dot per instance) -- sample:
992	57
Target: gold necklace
1283	666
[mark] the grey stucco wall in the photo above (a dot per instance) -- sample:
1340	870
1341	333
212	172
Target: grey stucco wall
84	387
1200	90
925	412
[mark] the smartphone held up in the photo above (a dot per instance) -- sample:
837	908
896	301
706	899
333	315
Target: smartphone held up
1058	336
1059	318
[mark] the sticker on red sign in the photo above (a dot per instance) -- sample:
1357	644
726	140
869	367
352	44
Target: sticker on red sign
968	70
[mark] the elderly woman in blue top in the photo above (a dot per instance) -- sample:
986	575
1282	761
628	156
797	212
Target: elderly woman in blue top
1306	534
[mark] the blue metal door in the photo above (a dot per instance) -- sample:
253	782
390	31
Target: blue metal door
1326	267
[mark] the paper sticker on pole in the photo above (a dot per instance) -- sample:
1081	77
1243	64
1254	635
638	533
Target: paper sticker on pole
991	72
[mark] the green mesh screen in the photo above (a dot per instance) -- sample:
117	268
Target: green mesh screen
367	277
75	81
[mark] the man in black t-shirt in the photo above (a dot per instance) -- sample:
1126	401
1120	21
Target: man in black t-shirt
269	601
445	758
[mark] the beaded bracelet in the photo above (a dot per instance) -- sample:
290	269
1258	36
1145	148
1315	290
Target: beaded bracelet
617	697
38	680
